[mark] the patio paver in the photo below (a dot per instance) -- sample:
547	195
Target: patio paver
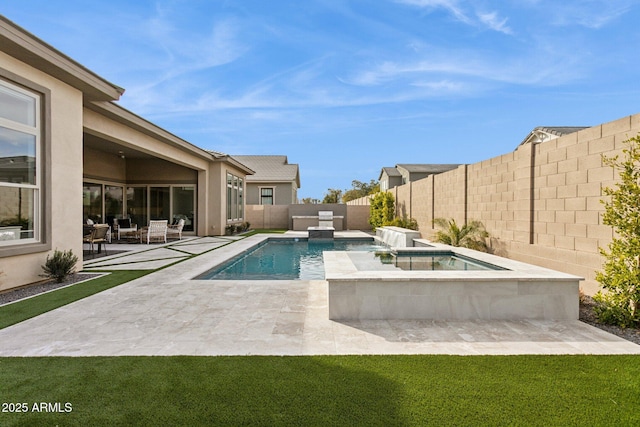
169	313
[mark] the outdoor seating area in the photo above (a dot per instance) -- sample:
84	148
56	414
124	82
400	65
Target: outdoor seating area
123	231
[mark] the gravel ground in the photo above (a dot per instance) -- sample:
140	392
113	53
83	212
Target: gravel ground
587	314
28	291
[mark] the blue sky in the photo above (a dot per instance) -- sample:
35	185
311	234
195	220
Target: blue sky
344	88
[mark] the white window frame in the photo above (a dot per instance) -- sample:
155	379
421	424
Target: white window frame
36	131
235	205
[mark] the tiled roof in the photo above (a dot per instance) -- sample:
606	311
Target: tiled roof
270	168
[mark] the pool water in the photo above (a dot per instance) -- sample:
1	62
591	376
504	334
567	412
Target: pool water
434	261
284	259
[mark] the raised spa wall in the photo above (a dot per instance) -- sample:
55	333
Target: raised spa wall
521	291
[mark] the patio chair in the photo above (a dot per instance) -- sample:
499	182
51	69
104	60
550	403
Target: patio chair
176	229
124	226
98	235
157	230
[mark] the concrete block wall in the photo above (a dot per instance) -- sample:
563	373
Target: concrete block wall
267	216
355	217
422	202
358	217
450	195
403	200
540	203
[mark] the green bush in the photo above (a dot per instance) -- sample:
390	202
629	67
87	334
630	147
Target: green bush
381	209
61	265
409	223
471	235
610	309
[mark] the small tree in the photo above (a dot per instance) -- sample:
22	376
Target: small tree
333	196
360	189
471	235
620	275
381	209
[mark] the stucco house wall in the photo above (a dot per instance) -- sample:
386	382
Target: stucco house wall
62	157
284	193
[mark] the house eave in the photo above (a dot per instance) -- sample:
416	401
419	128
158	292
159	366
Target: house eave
32	51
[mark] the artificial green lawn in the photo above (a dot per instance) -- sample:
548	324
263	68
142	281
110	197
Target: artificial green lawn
326	390
22	310
319	390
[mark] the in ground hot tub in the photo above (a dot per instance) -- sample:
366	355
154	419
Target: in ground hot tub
485	287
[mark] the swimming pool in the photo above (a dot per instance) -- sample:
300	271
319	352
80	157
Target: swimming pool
285	259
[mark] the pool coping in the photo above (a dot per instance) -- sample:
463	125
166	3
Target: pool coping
338	266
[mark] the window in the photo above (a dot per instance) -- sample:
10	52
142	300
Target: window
20	169
235	203
266	196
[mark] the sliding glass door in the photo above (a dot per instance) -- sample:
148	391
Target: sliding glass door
92	202
183	205
137	206
159	203
113	202
175	202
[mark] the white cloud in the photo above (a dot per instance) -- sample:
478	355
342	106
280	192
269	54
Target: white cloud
489	20
450	5
492	21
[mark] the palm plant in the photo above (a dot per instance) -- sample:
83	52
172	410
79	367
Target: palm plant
472	235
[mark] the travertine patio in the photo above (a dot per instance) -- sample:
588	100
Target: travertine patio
168	313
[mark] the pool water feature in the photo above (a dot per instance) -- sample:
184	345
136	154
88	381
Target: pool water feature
285	259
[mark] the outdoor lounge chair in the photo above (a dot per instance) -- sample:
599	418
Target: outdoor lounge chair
176	229
157	230
97	235
124	226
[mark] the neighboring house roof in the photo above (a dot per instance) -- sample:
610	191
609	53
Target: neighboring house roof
269	168
391	172
546	133
427	168
424	168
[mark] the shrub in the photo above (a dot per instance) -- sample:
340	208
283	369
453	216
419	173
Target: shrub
471	235
610	309
60	265
409	223
381	209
